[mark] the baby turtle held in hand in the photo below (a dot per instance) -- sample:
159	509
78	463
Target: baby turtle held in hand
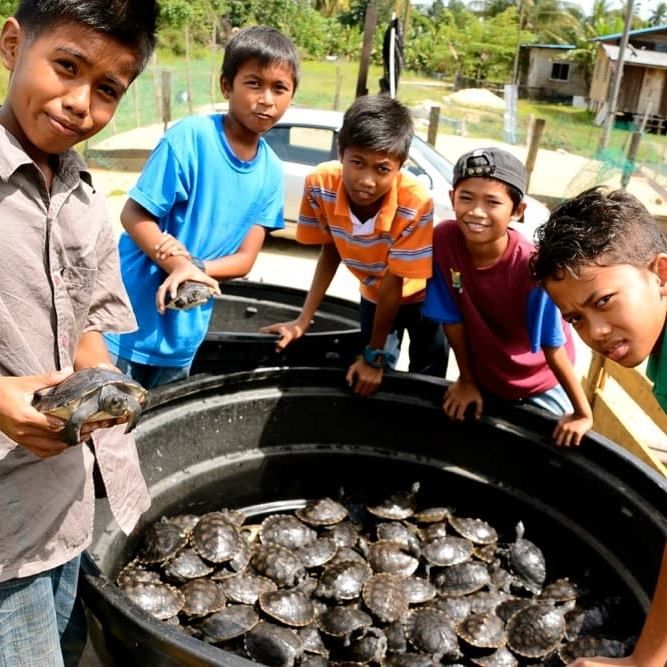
89	395
189	294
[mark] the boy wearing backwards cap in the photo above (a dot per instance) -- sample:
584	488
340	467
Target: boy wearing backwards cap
509	338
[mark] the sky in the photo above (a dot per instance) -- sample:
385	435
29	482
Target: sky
643	7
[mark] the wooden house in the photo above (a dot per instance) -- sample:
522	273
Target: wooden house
643	93
550	76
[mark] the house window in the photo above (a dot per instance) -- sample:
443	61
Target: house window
560	71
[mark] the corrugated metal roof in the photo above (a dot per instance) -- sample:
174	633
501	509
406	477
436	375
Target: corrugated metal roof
639	31
549	46
637	56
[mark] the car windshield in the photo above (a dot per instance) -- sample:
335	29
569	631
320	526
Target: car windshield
424	152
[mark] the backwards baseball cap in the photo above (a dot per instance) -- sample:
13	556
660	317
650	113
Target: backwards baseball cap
492	163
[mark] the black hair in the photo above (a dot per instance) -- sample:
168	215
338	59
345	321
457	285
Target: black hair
131	22
512	191
377	123
264	44
600	226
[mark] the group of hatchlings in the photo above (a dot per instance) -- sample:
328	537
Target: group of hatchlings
400	586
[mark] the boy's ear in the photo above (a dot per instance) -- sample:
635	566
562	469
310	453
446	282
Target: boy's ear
659	267
10	39
451	197
520	209
225	87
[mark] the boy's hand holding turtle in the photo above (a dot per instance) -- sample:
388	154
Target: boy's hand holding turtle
185	270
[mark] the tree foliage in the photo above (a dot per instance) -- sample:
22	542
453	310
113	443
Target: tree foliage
475	38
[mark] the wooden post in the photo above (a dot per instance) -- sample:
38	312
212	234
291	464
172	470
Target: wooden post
339	81
166	98
369	29
535	139
433	122
188	72
529	128
629	164
135	102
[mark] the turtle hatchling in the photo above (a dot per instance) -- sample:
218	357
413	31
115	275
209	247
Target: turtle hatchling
536	631
90	395
189	294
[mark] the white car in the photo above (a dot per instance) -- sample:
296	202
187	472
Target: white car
305	137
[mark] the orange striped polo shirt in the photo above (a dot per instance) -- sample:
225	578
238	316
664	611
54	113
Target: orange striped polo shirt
400	242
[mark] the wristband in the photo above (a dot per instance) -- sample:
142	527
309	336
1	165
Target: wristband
374	357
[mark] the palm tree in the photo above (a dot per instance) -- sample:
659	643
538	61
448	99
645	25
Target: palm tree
659	16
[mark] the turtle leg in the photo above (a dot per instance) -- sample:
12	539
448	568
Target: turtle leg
133	413
72	432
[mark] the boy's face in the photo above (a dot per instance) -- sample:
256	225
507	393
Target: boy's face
619	310
483	209
368	176
64	87
259	96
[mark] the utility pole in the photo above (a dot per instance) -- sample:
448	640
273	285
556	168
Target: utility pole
517	51
616	81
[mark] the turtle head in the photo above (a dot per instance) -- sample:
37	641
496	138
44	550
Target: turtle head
118	403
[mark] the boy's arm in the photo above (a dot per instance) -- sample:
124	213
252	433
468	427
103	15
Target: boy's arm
223	268
651	647
142	227
91	351
325	269
464	391
362	377
571	428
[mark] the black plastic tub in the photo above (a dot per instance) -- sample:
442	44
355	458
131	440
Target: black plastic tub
233	342
246	438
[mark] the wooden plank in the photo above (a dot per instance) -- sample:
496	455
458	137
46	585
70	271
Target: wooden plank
609	424
640	389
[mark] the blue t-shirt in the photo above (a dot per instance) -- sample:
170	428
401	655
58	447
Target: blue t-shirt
208	199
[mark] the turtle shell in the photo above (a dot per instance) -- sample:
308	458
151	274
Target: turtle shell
343	621
387	556
431	632
385	596
536	631
462	578
500	658
233	621
246	588
289	607
272	644
474	529
202	597
216	539
321	512
162	541
161	600
343	580
189	294
186	565
89	395
446	551
484	630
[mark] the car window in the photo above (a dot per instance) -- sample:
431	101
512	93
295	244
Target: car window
306	145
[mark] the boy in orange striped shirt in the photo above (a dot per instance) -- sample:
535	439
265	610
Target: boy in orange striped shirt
378	220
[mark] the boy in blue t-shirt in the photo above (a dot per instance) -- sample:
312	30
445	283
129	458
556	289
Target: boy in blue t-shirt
507	335
202	206
603	260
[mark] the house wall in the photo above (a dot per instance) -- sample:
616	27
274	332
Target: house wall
632	95
540	70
